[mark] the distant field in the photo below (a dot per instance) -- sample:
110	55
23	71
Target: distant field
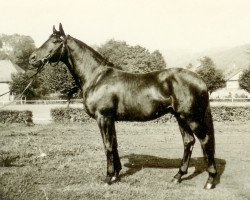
67	162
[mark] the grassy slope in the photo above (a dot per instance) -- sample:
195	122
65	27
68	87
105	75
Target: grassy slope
75	165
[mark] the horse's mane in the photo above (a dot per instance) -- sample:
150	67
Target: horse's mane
96	55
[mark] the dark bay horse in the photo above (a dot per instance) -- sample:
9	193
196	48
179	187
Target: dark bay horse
110	95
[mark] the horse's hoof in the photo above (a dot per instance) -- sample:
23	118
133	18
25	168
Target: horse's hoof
209	186
106	185
176	180
111	180
107	181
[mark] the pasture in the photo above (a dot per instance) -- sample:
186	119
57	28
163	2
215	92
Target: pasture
67	161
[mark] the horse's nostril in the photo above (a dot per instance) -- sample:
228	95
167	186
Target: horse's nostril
32	57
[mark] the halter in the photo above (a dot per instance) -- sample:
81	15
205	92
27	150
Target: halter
47	58
64	48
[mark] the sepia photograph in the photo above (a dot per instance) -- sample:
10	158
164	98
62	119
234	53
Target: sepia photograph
125	99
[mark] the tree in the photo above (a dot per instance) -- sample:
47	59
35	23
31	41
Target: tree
157	61
56	78
244	80
20	48
213	77
21	80
132	58
3	56
190	66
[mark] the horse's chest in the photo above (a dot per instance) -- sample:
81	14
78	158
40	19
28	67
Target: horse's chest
99	101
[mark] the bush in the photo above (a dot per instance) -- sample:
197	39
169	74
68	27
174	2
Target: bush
66	115
223	113
15	116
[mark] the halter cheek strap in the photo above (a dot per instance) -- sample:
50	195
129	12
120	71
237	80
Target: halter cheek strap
63	47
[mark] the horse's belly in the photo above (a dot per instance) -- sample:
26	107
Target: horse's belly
141	112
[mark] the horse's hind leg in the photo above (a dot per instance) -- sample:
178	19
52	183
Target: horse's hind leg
107	128
116	158
205	134
188	141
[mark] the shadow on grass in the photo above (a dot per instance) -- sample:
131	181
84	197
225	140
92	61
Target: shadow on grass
7	161
3	197
138	162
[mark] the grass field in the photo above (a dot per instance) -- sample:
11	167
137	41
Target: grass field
67	162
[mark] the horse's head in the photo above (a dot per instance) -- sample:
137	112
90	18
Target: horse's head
53	50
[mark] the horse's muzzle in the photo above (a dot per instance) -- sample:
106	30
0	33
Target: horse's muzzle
35	62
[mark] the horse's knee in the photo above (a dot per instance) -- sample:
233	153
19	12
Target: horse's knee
193	125
199	129
204	141
196	127
189	141
109	149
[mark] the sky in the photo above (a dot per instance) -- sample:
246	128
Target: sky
155	24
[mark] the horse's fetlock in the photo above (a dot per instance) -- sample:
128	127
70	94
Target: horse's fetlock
212	174
181	172
109	150
189	143
205	140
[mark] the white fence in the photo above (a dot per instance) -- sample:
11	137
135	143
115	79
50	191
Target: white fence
22	102
215	102
230	100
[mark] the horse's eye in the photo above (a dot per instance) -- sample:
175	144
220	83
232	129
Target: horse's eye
55	41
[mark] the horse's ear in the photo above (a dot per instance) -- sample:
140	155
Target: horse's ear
61	30
54	29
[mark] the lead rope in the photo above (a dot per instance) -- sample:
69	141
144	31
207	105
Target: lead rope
20	95
4	93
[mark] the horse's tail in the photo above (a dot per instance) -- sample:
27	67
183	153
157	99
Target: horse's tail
210	131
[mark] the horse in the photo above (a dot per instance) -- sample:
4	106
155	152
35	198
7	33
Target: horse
111	94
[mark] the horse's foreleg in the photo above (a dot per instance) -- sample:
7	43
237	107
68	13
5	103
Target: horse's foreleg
107	128
188	141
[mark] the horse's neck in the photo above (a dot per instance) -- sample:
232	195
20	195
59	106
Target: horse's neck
82	64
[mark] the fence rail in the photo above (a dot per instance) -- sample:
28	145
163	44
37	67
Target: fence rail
76	101
59	101
230	100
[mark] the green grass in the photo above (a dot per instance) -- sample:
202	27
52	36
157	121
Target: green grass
68	162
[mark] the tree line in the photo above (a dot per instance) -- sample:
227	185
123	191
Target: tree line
58	81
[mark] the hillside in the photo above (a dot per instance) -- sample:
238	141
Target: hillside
229	60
